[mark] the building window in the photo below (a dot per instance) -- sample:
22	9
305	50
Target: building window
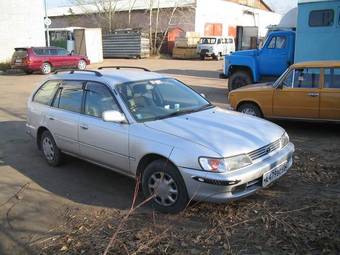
321	18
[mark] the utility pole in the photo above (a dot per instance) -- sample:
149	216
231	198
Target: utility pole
47	23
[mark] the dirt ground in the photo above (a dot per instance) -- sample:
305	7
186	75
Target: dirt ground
78	207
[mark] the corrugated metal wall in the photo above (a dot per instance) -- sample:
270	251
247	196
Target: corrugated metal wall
125	44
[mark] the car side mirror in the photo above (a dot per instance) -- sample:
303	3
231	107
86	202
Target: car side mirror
203	95
114	116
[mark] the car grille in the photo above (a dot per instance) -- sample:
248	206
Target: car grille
263	151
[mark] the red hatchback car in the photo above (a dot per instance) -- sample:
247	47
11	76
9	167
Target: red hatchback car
45	59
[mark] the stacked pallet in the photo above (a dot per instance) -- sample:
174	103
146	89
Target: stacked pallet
186	45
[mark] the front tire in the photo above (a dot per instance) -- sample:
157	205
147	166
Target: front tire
164	181
46	68
81	64
250	109
50	150
239	79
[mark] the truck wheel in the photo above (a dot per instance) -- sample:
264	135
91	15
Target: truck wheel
239	79
202	57
163	181
250	109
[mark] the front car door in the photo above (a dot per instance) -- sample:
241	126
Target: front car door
103	142
63	117
298	94
330	95
273	58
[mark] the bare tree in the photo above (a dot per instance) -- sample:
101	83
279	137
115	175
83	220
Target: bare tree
104	9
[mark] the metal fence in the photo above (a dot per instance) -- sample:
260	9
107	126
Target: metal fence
126	44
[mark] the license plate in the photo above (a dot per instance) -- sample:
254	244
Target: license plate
18	61
274	174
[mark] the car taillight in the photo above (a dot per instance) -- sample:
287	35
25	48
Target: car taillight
25	61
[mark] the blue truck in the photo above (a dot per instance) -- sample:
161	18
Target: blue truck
317	37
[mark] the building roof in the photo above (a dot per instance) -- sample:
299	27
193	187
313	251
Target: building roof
122	5
317	64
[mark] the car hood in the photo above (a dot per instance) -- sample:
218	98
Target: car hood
225	132
255	87
245	53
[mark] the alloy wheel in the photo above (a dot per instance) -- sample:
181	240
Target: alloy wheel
48	148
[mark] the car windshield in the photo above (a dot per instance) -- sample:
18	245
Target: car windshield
159	99
207	40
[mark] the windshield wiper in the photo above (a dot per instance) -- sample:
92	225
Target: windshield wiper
173	114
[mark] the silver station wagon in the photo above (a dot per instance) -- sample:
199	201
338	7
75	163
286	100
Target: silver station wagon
153	127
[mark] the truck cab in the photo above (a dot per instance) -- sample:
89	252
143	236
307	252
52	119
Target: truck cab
276	55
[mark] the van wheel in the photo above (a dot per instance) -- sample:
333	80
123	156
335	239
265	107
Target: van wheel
218	56
50	150
81	64
162	180
46	68
239	79
250	109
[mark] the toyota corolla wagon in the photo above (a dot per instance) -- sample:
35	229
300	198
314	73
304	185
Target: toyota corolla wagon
153	127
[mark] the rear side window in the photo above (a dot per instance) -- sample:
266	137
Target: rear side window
332	78
69	96
321	18
46	93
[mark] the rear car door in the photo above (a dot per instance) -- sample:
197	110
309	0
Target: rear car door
330	95
54	58
298	95
100	141
63	117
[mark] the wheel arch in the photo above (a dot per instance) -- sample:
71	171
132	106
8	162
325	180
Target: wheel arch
147	159
39	134
234	68
249	102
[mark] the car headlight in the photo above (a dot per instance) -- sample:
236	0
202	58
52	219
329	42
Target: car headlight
221	165
284	140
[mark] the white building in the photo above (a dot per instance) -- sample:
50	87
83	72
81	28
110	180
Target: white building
21	24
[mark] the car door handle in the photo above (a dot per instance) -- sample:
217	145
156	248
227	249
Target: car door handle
84	126
313	94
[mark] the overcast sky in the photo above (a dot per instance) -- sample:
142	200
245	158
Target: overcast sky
280	6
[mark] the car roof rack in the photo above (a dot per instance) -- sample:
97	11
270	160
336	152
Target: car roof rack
124	67
72	71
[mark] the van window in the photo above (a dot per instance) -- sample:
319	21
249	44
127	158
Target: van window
207	40
69	96
332	78
321	18
46	93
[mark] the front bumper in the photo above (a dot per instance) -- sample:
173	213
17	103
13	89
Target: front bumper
221	187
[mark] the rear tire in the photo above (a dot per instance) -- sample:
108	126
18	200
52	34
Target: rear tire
250	109
50	150
239	79
164	181
46	68
81	64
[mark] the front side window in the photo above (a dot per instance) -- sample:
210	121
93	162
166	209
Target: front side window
332	78
158	99
46	93
69	96
302	78
277	42
98	99
321	18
